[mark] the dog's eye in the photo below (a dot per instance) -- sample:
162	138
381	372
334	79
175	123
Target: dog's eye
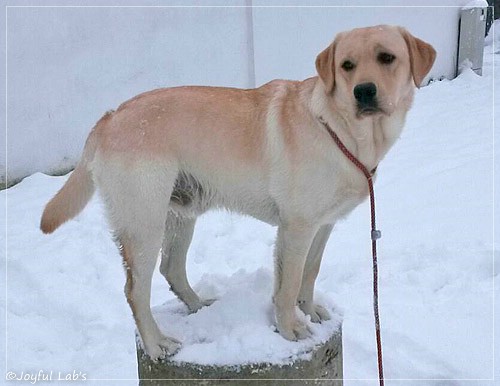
348	65
385	58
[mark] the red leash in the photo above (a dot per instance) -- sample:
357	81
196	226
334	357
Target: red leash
375	234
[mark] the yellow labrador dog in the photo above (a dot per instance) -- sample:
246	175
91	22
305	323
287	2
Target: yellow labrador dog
167	156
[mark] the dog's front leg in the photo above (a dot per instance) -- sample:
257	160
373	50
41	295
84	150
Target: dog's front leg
311	269
292	245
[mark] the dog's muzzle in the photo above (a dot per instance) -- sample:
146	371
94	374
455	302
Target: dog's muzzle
366	99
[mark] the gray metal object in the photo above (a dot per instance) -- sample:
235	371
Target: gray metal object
323	368
471	39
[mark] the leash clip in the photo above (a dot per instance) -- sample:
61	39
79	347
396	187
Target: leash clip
376	234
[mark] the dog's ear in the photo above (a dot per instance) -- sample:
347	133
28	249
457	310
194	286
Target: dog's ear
422	56
325	67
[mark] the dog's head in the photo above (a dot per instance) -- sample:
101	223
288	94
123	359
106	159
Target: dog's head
371	71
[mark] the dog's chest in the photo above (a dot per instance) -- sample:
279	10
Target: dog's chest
333	193
347	196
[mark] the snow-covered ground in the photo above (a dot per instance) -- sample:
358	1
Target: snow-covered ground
66	312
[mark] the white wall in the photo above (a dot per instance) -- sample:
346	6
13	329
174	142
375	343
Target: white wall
67	66
288	39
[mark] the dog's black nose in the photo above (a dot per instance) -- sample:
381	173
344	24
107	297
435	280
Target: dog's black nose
365	94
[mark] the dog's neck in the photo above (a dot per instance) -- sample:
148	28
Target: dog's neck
374	136
369	138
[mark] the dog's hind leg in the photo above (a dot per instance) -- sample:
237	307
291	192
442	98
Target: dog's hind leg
178	236
136	197
139	257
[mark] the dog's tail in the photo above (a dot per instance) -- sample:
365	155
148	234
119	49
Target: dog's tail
76	192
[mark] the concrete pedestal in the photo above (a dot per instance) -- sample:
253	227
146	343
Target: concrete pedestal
322	367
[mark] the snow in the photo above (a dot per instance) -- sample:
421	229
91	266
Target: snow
475	4
65	310
239	327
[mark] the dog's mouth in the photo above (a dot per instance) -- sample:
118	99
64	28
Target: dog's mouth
367	111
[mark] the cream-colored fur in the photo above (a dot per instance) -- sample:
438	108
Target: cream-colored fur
168	155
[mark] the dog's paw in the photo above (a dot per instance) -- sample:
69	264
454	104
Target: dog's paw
294	329
316	312
164	347
194	307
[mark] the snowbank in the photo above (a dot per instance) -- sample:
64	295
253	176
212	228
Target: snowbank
476	4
